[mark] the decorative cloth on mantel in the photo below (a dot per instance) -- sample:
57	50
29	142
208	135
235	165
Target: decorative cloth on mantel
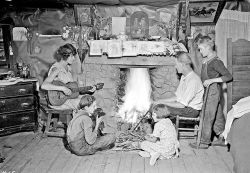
119	48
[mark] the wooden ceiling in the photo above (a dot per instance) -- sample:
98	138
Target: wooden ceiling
68	3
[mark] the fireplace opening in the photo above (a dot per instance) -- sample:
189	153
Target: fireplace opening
134	94
142	86
135	90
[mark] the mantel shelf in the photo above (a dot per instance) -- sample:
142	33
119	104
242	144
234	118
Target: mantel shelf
149	61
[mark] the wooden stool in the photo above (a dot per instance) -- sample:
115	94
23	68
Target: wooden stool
62	113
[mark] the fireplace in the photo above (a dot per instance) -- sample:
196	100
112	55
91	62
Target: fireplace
114	74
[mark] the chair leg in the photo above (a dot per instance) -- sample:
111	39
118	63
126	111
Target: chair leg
68	118
177	126
47	124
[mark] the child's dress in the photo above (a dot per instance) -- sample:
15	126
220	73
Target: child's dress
167	146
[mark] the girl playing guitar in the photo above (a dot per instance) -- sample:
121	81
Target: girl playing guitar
61	71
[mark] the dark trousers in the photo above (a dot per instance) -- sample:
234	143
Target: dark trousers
185	112
214	119
81	148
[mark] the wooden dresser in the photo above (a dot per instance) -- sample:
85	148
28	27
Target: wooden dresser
18	106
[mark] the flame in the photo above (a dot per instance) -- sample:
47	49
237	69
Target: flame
137	97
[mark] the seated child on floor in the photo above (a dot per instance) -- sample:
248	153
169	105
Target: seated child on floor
162	143
82	133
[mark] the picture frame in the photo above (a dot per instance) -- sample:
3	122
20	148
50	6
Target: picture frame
139	25
83	15
205	12
199	12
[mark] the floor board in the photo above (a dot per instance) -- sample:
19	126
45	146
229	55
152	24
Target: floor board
30	153
113	163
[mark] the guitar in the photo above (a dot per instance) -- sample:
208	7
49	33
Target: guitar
57	98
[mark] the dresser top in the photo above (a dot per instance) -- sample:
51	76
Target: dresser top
14	81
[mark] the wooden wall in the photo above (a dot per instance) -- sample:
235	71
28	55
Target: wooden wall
238	59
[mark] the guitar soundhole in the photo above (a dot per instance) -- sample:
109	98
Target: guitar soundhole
59	95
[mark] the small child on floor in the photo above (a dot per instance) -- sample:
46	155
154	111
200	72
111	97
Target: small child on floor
162	143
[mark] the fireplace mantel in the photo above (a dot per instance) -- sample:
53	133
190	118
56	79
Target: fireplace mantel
137	61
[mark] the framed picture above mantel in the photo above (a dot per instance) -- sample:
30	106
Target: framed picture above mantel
206	12
83	15
201	12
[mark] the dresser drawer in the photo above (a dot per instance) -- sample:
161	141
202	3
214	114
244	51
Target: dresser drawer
8	120
16	104
17	90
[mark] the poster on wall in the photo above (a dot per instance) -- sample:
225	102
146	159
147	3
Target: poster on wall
83	15
118	25
139	25
205	12
19	34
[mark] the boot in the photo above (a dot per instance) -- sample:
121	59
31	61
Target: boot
219	142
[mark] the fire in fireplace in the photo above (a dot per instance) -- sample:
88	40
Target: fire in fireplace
137	98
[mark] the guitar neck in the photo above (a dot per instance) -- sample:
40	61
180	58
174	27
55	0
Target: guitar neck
83	89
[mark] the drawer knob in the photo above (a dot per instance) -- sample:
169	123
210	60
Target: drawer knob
2	89
25	105
25	118
2	102
22	91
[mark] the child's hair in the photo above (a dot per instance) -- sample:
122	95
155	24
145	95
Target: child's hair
160	108
86	100
63	52
183	57
207	40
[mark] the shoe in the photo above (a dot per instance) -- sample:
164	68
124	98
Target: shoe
144	154
201	146
2	159
219	142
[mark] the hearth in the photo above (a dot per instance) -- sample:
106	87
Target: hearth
114	74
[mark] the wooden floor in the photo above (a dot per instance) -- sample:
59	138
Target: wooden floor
28	153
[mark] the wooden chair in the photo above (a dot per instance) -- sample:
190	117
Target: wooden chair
198	121
62	114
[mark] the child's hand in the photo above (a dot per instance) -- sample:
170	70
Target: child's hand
150	138
98	120
208	82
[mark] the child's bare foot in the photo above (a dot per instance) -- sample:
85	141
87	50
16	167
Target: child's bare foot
144	154
153	158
